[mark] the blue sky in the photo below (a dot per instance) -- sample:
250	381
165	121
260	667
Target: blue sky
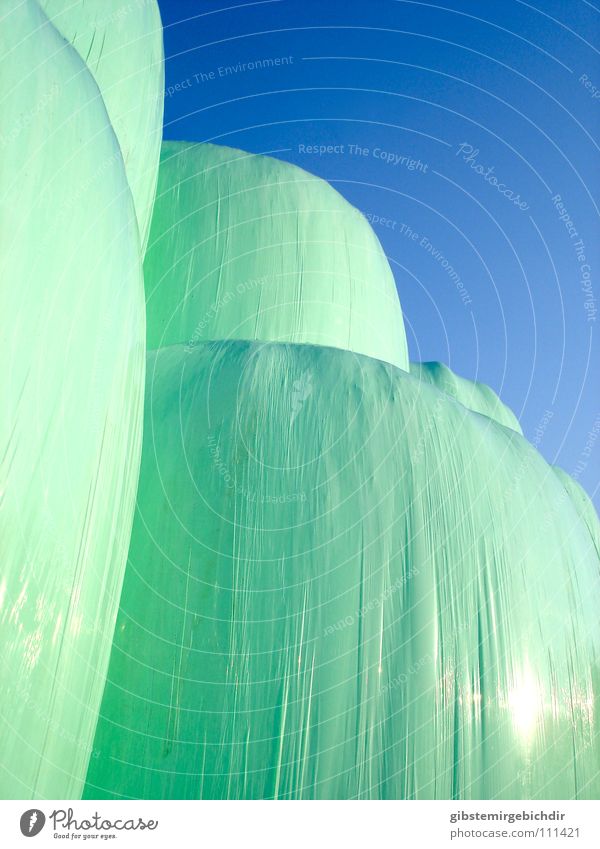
473	125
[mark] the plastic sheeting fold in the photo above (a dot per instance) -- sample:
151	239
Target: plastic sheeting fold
249	247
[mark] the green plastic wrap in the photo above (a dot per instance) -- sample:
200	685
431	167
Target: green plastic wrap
121	42
344	584
248	247
476	396
583	504
72	364
348	577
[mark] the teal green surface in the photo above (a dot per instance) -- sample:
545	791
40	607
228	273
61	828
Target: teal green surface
121	42
476	396
249	247
72	359
348	576
583	504
344	584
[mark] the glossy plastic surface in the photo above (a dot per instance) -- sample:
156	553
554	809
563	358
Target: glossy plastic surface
476	396
72	365
249	247
121	43
344	584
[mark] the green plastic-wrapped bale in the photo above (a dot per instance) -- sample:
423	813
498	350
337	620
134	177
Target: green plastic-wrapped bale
476	396
248	247
121	43
343	584
72	365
